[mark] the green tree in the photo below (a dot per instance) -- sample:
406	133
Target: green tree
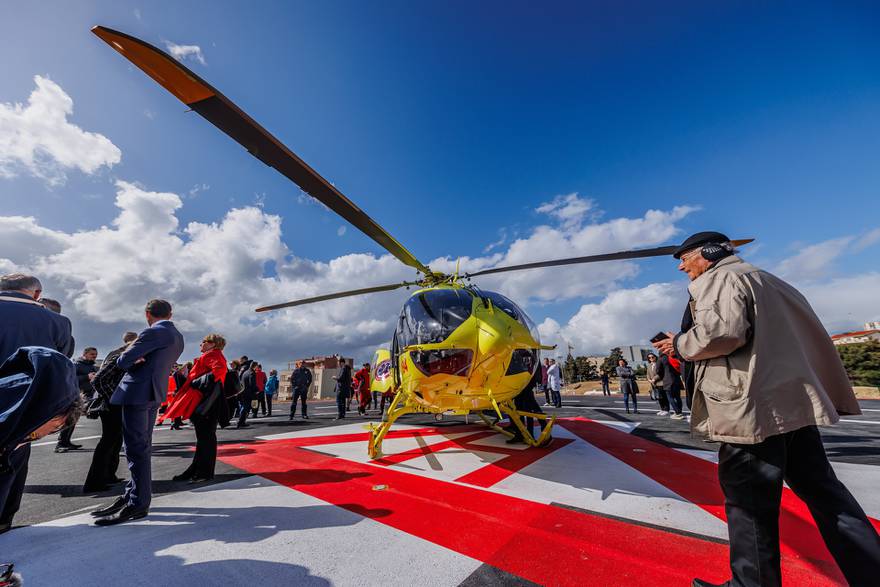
610	362
862	362
586	370
570	370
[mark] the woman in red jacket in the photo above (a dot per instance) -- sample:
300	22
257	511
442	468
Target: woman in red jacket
362	385
187	399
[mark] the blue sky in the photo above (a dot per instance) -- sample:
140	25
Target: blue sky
452	124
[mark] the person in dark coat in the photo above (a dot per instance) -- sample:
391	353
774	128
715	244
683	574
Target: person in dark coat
203	406
38	396
671	385
300	381
249	392
85	372
105	459
628	386
525	402
606	382
343	389
25	322
147	364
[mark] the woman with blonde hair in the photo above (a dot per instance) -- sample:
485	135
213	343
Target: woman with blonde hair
201	400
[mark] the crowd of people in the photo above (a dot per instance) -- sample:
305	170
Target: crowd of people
763	414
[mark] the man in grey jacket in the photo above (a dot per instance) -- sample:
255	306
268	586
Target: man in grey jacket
766	375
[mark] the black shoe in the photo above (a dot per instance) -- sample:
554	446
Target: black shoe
290	419
126	514
112	508
116	481
95	488
514	440
185	476
60	449
71	446
242	426
702	583
200	479
5	527
305	417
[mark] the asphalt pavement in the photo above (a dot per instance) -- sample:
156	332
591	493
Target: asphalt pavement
54	484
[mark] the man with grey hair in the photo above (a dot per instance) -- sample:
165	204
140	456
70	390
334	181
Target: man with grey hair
25	322
765	376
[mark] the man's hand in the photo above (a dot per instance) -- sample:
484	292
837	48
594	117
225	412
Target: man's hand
141	360
92	376
665	346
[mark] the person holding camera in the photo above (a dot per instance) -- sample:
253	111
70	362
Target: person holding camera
766	375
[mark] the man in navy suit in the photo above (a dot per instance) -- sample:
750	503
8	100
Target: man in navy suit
147	362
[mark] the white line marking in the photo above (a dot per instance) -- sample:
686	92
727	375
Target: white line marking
861	421
72	440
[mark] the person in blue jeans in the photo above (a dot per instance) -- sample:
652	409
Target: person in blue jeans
628	385
271	389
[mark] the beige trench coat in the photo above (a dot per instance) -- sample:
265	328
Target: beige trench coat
764	363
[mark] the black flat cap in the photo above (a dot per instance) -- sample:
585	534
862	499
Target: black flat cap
699	239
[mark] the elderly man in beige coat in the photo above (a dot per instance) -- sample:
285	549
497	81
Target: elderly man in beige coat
765	376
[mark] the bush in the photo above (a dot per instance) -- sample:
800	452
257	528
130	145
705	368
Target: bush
862	362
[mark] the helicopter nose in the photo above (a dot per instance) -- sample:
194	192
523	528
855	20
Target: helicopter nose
443	361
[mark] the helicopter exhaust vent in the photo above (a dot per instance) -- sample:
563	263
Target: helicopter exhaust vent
443	361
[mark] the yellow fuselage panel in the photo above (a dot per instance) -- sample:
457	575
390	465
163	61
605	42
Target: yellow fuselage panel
492	336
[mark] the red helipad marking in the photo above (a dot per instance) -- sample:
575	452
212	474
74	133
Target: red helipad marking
487	476
541	543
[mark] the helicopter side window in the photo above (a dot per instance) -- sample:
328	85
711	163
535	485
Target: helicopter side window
522	361
511	309
432	315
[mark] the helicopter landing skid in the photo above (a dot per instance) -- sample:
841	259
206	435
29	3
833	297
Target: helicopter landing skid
516	419
377	434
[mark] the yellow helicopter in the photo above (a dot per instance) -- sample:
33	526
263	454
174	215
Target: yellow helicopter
457	349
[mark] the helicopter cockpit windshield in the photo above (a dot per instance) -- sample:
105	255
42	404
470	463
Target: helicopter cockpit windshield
511	309
430	316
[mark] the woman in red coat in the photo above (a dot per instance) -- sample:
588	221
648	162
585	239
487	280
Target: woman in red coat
362	385
188	398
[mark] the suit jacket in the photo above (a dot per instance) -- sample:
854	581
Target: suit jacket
147	383
27	323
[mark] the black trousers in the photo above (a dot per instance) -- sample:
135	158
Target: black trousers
65	435
342	399
662	399
299	395
105	459
261	404
751	477
269	403
12	483
205	459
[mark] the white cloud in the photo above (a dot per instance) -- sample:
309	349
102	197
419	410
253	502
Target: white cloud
39	139
341	230
845	303
866	240
137	13
817	261
181	52
215	274
569	209
623	317
814	261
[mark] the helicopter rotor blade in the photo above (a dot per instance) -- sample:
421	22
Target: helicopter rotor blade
337	295
220	111
635	254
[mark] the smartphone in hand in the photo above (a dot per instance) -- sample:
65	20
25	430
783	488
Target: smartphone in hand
659	336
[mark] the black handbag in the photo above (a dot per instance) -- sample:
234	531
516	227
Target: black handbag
97	405
210	391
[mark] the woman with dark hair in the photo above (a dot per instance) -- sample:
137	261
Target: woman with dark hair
201	400
628	386
105	459
39	396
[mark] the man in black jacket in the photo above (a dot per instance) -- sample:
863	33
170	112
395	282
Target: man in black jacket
25	322
85	372
343	388
300	381
249	385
